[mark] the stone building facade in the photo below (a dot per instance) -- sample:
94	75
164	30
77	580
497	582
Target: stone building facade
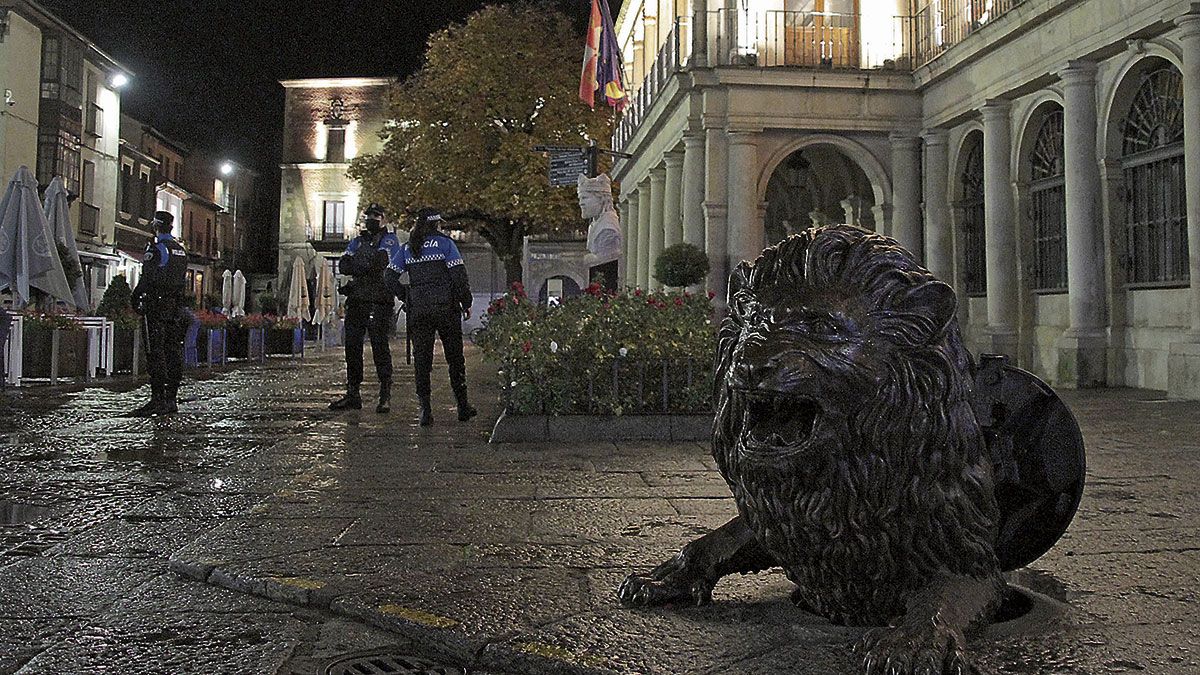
1043	156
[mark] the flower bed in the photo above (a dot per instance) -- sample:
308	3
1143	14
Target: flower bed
630	353
245	337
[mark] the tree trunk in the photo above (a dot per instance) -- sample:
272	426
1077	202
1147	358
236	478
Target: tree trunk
507	240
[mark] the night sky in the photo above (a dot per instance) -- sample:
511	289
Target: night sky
207	71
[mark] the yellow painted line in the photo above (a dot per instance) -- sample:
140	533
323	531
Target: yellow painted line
296	582
560	654
418	616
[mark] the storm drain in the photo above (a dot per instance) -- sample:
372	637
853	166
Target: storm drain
377	663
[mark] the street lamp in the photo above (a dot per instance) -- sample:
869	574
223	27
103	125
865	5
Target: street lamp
226	168
119	80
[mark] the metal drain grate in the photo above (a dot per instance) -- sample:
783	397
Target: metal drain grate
387	663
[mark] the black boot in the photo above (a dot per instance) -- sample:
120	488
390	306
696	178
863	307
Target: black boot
465	410
170	402
150	406
385	396
351	401
426	411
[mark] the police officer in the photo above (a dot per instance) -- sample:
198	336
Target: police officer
159	297
370	305
438	299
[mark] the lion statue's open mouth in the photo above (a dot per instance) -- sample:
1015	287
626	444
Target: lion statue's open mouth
775	424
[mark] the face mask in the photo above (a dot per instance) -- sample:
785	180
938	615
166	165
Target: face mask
373	226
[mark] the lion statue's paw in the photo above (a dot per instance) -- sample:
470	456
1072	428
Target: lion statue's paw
672	582
930	648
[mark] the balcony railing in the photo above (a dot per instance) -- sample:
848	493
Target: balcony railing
943	24
810	40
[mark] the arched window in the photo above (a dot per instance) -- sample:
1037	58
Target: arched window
971	207
1155	198
1048	206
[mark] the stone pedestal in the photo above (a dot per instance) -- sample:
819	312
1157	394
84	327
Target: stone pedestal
1183	370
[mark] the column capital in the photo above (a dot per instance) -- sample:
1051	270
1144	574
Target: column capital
996	109
904	140
694	138
658	174
1078	72
1189	24
936	137
715	209
673	159
743	137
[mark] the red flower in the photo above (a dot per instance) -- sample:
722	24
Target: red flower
594	289
491	310
637	292
526	346
711	295
679	302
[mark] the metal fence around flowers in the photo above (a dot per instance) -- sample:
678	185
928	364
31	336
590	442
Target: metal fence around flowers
614	386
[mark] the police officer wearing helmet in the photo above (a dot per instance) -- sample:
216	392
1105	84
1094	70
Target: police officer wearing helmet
438	299
159	297
370	303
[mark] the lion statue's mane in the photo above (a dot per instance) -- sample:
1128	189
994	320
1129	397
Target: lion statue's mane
906	490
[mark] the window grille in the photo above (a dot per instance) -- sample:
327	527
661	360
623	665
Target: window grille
971	207
335	220
1153	172
1048	206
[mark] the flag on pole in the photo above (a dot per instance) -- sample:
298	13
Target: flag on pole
601	60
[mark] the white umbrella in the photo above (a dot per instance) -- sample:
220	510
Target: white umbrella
297	307
238	307
28	257
324	312
227	292
57	214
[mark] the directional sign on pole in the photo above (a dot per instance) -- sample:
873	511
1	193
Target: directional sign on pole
566	166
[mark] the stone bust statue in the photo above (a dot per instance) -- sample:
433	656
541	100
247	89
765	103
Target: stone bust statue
604	240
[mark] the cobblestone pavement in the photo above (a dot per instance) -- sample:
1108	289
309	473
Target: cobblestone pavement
305	526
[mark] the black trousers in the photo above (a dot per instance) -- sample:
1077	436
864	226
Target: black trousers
166	328
376	320
446	323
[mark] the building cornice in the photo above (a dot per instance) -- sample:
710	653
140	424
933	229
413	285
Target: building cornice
326	82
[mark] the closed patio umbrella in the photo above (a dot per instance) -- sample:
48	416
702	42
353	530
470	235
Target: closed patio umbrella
238	307
59	217
28	257
227	292
297	307
324	312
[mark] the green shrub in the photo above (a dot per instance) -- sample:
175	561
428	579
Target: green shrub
602	353
117	300
268	303
681	265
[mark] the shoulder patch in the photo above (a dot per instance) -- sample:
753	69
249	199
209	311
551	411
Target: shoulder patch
148	257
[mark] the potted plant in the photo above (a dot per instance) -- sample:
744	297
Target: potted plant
247	337
211	337
117	307
53	346
285	337
681	265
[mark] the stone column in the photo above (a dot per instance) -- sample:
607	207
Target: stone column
673	199
716	212
693	189
643	245
999	230
629	229
1083	348
1183	363
746	236
658	180
699	33
939	242
906	192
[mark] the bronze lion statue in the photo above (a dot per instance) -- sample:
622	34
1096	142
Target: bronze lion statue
845	431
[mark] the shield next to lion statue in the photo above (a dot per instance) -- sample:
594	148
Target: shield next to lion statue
1038	456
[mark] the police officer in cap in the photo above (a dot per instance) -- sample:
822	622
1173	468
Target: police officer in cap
438	300
370	306
159	297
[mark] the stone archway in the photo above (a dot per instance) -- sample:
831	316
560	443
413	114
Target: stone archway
815	184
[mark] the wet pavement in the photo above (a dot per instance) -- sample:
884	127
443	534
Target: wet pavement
261	533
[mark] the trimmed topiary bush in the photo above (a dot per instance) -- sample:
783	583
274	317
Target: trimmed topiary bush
681	265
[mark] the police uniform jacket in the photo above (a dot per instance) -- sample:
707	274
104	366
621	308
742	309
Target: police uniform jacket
164	271
437	278
366	260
